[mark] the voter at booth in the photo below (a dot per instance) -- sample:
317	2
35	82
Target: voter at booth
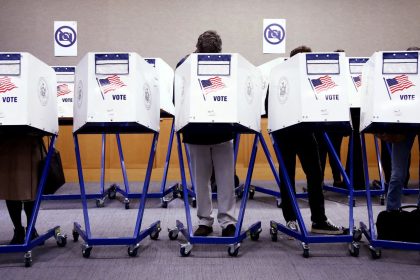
294	141
400	165
209	150
19	159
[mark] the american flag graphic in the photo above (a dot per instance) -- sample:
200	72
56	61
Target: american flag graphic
6	84
323	83
110	83
63	89
357	81
400	82
212	84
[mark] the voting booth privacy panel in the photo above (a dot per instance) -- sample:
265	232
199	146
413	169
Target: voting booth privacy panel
354	79
265	70
116	92
65	90
390	93
309	89
222	89
27	95
166	83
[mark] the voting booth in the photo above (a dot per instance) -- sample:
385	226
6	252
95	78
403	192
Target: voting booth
222	89
116	92
390	93
354	79
166	84
27	92
265	70
65	90
29	107
309	89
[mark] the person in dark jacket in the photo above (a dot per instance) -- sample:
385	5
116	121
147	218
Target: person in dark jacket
294	141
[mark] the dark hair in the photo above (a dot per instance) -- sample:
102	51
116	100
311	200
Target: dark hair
413	49
209	42
300	49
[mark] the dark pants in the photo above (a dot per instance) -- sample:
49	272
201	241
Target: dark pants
304	145
336	139
358	173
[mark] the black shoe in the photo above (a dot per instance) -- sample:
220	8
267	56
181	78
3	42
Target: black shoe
229	231
18	237
326	228
203	230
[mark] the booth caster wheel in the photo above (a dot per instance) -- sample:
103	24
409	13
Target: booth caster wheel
255	235
154	235
273	232
354	202
75	236
100	202
354	249
357	235
126	203
132	250
233	250
251	193
382	200
194	203
376	253
173	234
61	240
185	249
112	191
86	251
305	248
28	259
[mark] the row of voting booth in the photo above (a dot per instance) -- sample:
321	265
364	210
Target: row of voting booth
114	93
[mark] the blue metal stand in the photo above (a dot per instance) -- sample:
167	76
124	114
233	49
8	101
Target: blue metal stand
164	194
132	242
303	235
375	244
358	193
55	232
234	242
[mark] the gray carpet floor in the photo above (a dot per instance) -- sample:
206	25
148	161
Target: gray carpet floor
160	259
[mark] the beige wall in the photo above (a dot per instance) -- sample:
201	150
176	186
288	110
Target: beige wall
169	28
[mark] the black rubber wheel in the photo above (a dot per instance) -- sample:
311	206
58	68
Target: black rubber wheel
376	253
194	203
306	253
173	235
164	204
251	194
127	205
154	235
28	262
278	203
86	252
100	203
354	250
183	252
75	236
132	252
233	253
255	236
382	201
61	241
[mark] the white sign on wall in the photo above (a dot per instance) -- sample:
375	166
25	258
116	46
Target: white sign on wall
274	36
65	38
